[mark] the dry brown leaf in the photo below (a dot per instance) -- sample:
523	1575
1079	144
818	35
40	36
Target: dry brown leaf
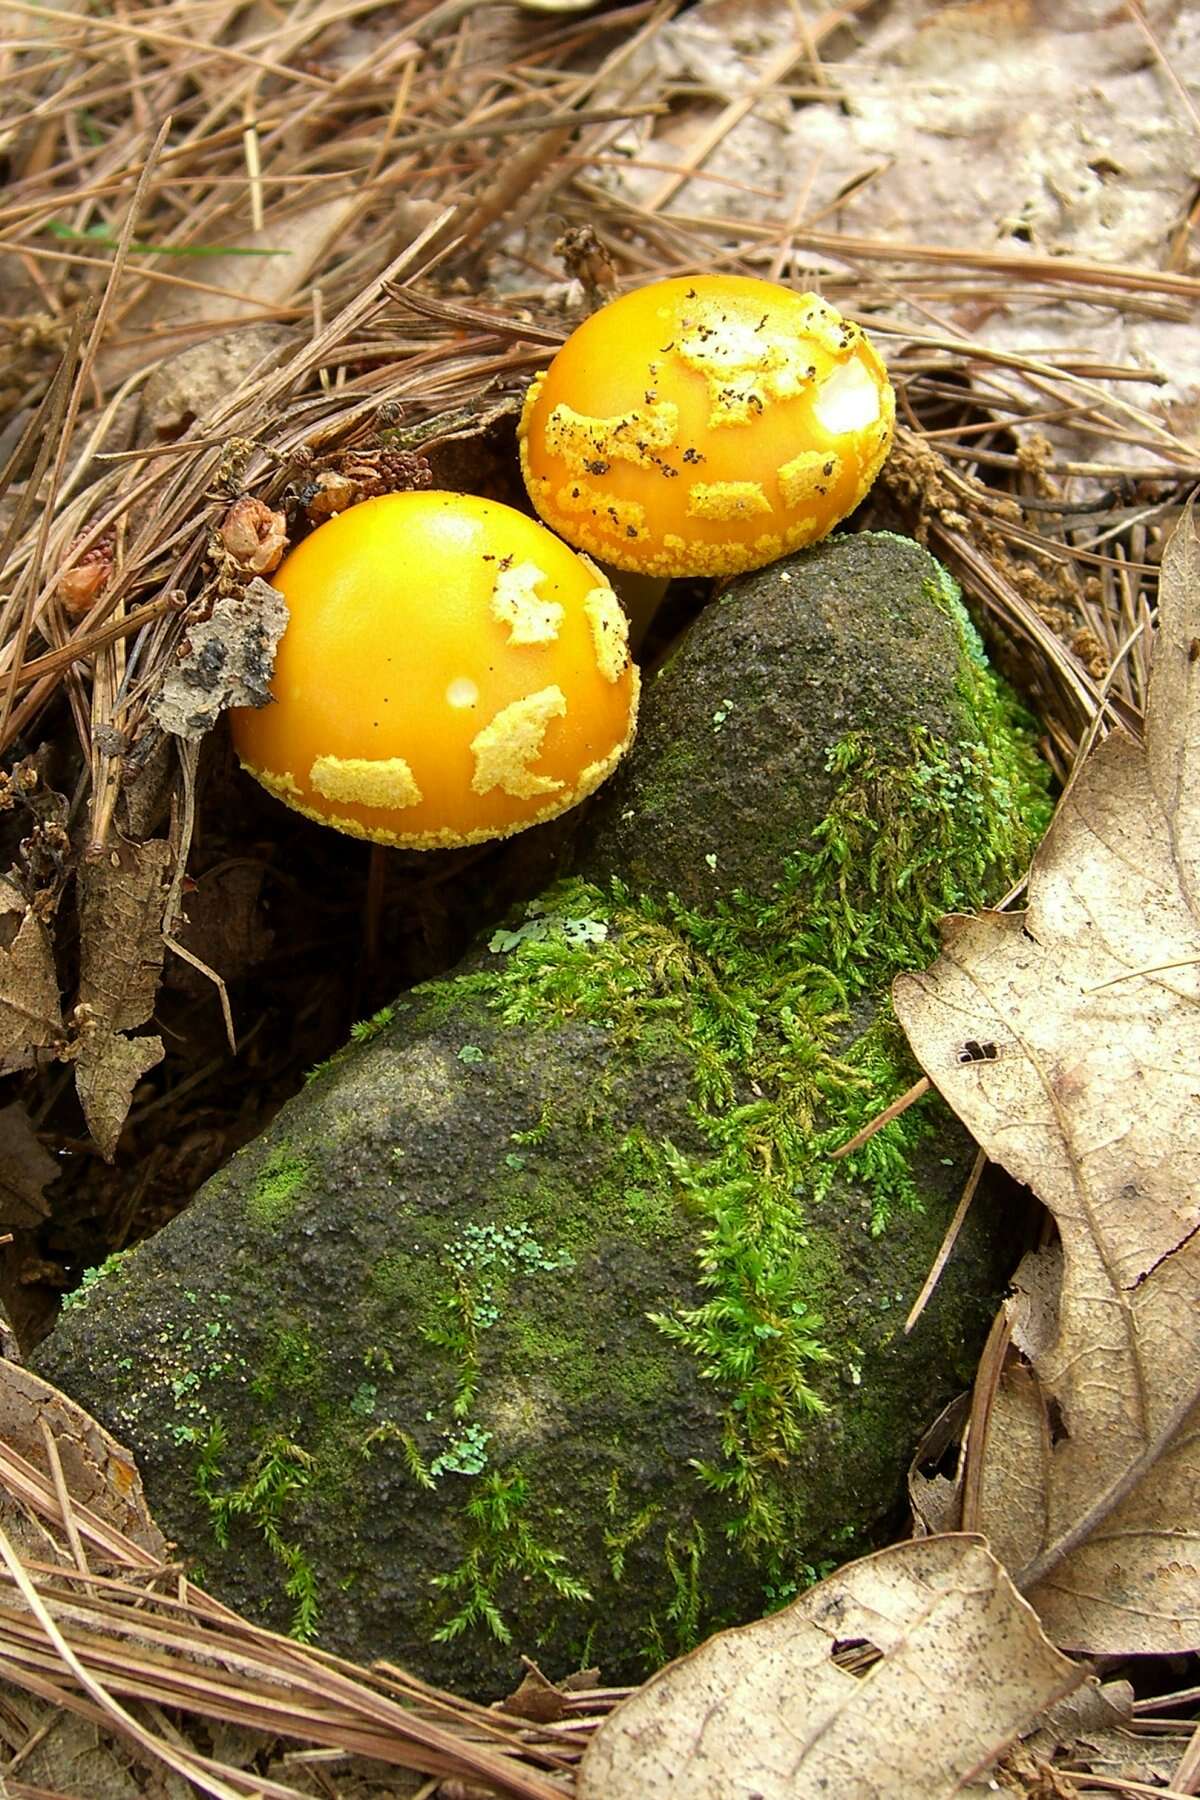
1095	1730
766	1710
121	903
1089	1092
30	1014
107	1069
98	1474
120	921
224	926
542	1700
25	1169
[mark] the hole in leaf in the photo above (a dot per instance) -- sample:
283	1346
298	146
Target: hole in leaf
1055	1421
855	1655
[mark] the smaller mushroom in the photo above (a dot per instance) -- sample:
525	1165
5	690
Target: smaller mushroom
705	426
450	672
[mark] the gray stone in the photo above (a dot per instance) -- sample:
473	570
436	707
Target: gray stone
540	1321
734	739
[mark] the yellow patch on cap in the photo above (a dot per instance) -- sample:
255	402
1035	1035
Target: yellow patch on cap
517	604
282	783
627	518
633	437
364	781
610	631
746	360
504	749
807	475
827	326
727	500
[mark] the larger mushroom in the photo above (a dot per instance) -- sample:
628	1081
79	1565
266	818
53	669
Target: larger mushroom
705	426
450	672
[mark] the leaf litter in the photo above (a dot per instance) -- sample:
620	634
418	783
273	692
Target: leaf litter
779	1709
1088	1472
347	380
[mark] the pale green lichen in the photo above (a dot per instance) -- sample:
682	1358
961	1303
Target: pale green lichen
479	1263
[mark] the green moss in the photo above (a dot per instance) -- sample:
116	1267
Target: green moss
479	1264
276	1192
78	1298
298	1445
501	1547
627	1198
362	1032
288	1369
756	1000
396	1278
264	1498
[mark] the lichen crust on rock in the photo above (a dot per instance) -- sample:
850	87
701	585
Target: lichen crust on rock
541	1321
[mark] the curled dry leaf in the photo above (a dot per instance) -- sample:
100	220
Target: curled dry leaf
544	1701
80	586
1067	1039
254	536
1095	1729
98	1474
766	1710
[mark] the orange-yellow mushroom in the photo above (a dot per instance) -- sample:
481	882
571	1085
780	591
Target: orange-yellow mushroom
705	426
450	672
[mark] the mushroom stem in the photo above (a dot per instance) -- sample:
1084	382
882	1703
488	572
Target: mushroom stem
377	874
639	596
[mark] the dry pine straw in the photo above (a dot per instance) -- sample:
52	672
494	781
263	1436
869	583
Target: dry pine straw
185	127
110	1646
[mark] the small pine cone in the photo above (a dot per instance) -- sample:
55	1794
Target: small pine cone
403	471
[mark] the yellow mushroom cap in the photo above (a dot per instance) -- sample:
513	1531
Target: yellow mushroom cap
704	426
450	672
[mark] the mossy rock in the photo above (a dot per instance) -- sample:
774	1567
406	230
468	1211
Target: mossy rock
541	1321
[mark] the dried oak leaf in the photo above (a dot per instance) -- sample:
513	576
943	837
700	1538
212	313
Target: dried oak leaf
542	1700
1067	1039
767	1710
25	1168
107	1069
30	1013
121	904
